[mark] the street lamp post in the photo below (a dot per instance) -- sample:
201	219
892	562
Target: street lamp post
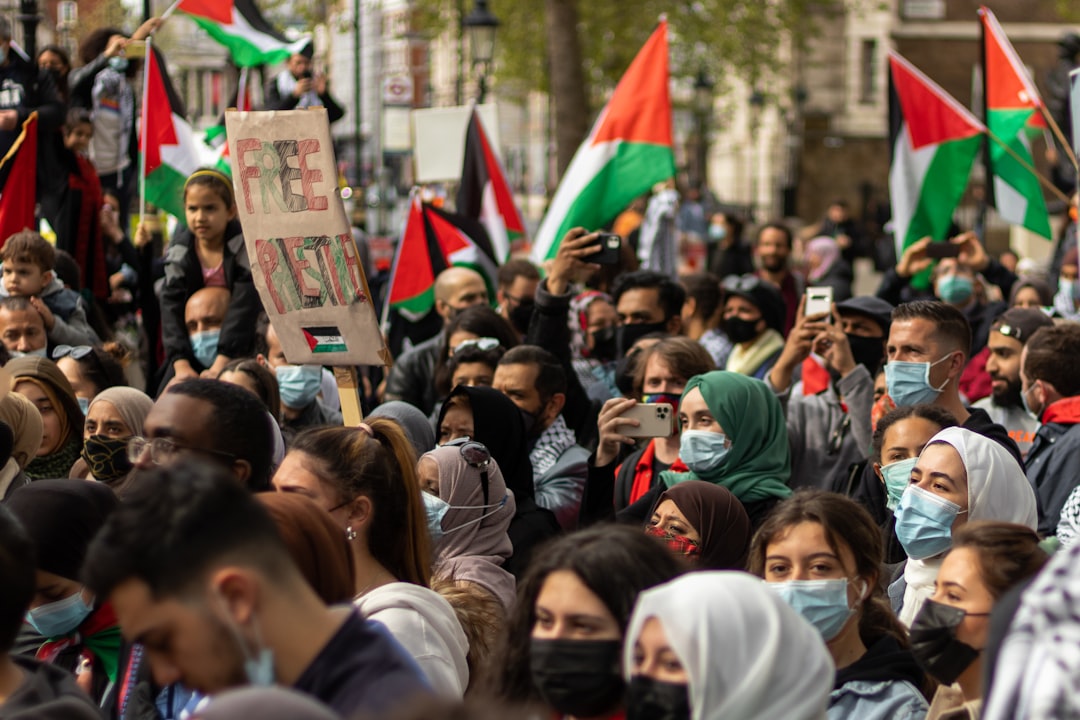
28	16
480	24
703	100
757	102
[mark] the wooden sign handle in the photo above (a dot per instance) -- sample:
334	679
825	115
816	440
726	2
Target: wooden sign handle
348	384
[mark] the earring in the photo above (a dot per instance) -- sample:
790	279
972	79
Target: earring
350	534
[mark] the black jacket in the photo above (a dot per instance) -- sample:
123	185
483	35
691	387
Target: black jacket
276	101
412	378
25	88
47	693
884	660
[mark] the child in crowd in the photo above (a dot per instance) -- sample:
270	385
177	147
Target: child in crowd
28	262
208	252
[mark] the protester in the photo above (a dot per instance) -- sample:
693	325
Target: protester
211	419
839	226
951	631
30	89
1030	292
482	618
960	477
253	376
469	510
31	688
823	554
474	328
516	293
713	645
298	87
473	365
592	339
772	249
91	369
730	255
115	416
19	419
1049	390
78	627
702	315
28	271
753	320
298	388
1005	405
190	531
365	479
42	383
564	643
827	266
645	302
489	417
22	328
208	252
703	525
1067	299
57	62
417	428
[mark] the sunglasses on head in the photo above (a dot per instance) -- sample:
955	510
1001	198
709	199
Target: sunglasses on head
475	454
484	344
739	283
75	352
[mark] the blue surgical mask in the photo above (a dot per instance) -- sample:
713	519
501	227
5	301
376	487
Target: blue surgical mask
1069	288
40	352
299	384
119	64
717	232
897	477
909	382
1037	416
204	346
57	619
84	404
924	522
824	603
260	669
703	451
436	508
955	289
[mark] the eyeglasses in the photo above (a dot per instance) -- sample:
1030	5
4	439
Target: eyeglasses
76	352
484	344
475	455
164	450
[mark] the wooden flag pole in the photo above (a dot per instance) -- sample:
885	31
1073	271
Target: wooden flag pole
348	383
1060	136
1029	167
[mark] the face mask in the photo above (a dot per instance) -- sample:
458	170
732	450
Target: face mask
934	643
107	458
603	344
436	508
299	384
1027	406
530	420
40	352
897	477
909	382
955	289
118	64
84	404
204	346
1069	288
521	315
627	335
678	544
258	666
703	451
59	618
739	330
648	699
579	678
868	352
717	232
824	603
924	522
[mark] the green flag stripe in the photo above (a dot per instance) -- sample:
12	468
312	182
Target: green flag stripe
1007	125
244	53
942	187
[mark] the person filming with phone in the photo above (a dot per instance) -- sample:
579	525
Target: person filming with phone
298	87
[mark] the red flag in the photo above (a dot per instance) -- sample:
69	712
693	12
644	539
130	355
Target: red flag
18	188
484	194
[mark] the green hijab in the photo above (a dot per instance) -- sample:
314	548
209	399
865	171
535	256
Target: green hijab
758	465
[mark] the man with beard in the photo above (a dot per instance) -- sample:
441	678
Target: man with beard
1004	405
772	248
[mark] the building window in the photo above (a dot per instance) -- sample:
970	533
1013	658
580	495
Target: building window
868	72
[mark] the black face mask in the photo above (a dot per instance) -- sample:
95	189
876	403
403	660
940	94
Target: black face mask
580	678
648	699
107	458
531	426
603	348
868	352
627	335
521	315
934	643
739	330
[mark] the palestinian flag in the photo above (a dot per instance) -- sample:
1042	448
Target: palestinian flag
173	149
627	152
432	241
1012	115
934	142
484	194
241	28
18	182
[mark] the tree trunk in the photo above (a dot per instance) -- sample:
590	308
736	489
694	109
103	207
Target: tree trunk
567	79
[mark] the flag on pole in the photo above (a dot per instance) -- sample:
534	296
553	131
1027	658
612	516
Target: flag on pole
241	28
18	182
934	141
1013	117
627	152
432	241
173	150
484	193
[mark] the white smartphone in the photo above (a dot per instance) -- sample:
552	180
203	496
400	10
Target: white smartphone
656	420
818	302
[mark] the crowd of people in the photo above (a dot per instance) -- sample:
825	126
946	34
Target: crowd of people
594	491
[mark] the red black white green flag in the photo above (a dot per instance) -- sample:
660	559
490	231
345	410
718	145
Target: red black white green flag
18	182
484	193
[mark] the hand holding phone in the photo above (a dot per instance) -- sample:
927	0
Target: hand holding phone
945	249
607	253
819	301
654	420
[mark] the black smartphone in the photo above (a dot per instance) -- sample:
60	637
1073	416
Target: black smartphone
306	75
938	250
607	252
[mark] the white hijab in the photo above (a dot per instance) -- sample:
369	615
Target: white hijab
747	653
997	490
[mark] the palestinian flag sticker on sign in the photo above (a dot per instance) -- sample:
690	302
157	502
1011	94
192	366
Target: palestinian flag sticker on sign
325	339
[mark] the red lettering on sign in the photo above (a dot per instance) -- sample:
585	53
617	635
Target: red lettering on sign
294	250
268	262
309	176
247	172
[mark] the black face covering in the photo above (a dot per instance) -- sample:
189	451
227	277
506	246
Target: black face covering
107	458
603	348
521	315
579	678
868	352
934	643
739	330
627	335
648	699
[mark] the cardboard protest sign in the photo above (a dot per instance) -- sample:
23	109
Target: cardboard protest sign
303	258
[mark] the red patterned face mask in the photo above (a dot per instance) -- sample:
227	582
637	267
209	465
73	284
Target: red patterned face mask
679	544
